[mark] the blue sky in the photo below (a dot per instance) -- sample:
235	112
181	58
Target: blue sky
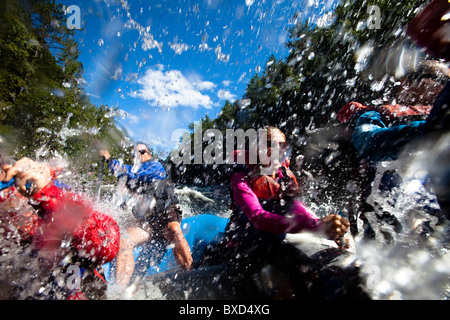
166	64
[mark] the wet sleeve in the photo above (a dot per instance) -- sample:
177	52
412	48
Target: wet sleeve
375	141
6	184
154	170
266	221
119	169
173	213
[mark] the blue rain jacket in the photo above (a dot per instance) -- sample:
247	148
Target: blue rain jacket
149	171
375	141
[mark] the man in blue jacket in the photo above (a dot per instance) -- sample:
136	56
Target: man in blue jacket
156	215
381	133
429	30
148	171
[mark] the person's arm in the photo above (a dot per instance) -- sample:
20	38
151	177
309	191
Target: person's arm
62	213
150	171
332	226
181	250
375	141
115	166
174	235
147	173
119	169
25	171
263	220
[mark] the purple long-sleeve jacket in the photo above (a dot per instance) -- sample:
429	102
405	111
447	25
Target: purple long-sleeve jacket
297	219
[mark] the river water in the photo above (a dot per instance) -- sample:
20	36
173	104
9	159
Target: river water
415	265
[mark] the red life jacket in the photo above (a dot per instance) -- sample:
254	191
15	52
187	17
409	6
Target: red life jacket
282	183
390	112
277	186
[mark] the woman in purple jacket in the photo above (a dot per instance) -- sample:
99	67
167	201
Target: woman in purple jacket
257	221
264	210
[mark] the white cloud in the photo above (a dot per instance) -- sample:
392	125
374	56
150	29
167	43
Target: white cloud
226	95
157	127
171	89
204	85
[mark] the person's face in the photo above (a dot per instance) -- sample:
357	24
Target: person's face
277	143
143	152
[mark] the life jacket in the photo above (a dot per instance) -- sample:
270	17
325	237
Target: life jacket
389	112
270	190
281	184
278	186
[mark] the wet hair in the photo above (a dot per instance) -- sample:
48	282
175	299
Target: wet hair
4	160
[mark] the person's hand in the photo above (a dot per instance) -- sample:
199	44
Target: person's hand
26	171
105	154
335	227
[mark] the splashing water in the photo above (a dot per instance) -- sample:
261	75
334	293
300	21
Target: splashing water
413	265
408	269
416	264
61	138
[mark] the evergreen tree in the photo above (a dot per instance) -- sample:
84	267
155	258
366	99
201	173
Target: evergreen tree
305	90
44	109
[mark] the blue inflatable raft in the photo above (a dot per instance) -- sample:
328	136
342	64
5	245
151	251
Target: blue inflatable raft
199	231
334	275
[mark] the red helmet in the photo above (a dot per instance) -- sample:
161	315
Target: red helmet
98	238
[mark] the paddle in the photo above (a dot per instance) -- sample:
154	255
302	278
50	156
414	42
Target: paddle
100	177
